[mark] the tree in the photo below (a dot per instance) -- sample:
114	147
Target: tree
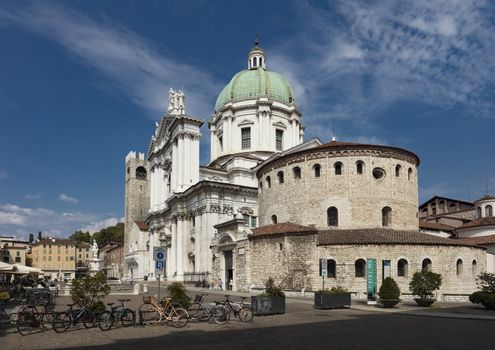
90	289
40	237
110	234
31	238
80	236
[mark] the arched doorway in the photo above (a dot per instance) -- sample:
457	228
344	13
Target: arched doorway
226	247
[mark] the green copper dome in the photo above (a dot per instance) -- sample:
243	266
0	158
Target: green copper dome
254	83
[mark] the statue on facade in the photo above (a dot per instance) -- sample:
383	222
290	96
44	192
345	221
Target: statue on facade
176	101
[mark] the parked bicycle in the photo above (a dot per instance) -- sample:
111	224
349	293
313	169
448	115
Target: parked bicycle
240	310
9	310
32	317
63	320
152	313
202	311
120	313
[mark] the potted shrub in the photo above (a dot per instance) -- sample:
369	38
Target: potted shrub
336	297
389	293
178	294
270	302
423	285
486	295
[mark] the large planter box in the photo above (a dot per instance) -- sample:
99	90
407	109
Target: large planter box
332	301
268	305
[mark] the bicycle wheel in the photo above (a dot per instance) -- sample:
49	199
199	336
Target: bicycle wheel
246	314
28	320
61	322
105	322
90	319
47	320
197	312
179	317
150	316
127	318
221	314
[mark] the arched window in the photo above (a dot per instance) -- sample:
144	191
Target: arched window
274	219
386	216
331	268
128	170
402	267
280	177
140	173
426	265
333	216
409	174
488	211
459	267
474	268
397	170
255	61
268	182
317	169
261	185
297	173
360	268
338	168
478	212
359	167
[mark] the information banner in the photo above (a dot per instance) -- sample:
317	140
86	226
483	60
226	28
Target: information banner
371	282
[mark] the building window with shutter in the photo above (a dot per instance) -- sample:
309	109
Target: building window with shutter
246	138
279	137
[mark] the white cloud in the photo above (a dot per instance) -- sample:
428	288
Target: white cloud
21	221
33	196
3	174
361	57
68	199
99	225
136	66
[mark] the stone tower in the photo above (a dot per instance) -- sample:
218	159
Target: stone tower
137	192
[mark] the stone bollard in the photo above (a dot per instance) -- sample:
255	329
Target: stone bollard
145	288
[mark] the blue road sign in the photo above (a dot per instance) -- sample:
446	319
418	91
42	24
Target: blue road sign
159	265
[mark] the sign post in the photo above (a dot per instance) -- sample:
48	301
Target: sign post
159	257
324	271
371	281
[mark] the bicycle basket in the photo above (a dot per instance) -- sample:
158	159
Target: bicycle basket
198	298
148	298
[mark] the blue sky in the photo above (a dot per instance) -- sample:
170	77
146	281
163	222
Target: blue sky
82	83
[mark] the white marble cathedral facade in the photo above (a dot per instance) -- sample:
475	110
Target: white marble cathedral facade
182	201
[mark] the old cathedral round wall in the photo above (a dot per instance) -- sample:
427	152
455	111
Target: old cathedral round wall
359	197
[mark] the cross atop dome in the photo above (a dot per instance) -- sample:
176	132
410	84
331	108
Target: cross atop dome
256	58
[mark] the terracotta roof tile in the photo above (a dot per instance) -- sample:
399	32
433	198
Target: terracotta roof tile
142	225
486	221
435	226
485	197
479	240
383	236
55	241
282	228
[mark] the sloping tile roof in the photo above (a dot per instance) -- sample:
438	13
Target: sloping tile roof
479	240
486	221
55	241
435	226
383	236
142	225
485	197
282	228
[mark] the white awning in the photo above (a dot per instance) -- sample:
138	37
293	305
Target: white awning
6	267
26	270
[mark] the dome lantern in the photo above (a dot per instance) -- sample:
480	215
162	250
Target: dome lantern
256	58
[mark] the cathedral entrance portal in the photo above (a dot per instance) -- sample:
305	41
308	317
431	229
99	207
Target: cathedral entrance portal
229	271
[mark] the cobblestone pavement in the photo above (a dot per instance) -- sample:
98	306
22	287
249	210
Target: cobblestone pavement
301	327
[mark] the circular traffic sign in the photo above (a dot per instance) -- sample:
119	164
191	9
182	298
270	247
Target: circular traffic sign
160	255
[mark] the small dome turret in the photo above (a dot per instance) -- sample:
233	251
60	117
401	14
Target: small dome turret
256	57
